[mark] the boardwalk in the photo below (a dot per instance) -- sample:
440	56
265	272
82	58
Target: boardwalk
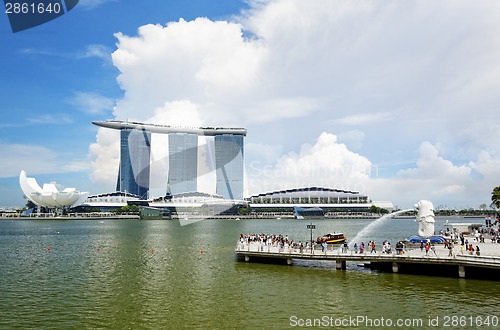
489	258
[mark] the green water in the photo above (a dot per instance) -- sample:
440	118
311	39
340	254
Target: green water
152	274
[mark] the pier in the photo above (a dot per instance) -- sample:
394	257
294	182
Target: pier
487	264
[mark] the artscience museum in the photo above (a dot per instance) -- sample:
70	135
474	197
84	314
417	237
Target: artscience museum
49	196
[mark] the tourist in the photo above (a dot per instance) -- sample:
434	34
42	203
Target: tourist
373	247
362	248
434	250
477	250
462	249
427	247
450	247
355	248
422	246
471	249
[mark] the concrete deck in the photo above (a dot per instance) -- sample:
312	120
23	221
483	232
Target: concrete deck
488	258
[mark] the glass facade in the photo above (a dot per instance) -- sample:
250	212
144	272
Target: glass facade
135	154
229	165
183	163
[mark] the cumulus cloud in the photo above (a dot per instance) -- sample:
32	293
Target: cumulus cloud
326	163
105	155
384	76
431	166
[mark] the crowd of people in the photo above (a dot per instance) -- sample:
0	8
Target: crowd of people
283	242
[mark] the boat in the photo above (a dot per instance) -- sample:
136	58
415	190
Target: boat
335	238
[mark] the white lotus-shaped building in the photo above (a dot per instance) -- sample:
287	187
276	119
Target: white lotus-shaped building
49	195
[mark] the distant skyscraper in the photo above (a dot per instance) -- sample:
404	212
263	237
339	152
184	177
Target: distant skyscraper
135	154
183	163
229	165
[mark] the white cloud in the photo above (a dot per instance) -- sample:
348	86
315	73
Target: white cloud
395	73
36	160
57	119
99	51
331	164
326	163
92	103
105	155
353	139
365	118
431	166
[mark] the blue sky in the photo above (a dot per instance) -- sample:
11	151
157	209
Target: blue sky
396	99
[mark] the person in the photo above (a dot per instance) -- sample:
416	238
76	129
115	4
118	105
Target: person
355	248
373	247
450	248
345	247
477	250
427	247
421	246
462	249
471	249
434	250
362	248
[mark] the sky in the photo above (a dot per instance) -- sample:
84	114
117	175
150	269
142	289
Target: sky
395	99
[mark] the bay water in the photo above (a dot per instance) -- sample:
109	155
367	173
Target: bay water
132	274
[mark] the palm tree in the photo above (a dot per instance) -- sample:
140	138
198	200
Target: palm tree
495	197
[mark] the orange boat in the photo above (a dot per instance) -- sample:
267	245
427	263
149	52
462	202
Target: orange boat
335	238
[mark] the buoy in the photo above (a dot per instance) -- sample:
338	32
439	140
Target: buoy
152	250
57	233
201	251
48	249
97	250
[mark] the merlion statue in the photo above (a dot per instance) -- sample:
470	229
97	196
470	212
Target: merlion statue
425	218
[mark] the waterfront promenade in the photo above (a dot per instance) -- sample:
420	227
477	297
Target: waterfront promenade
412	260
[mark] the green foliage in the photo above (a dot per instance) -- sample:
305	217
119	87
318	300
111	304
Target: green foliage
245	210
495	197
125	209
377	210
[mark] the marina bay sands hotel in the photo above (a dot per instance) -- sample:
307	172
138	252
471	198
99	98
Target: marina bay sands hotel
135	157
